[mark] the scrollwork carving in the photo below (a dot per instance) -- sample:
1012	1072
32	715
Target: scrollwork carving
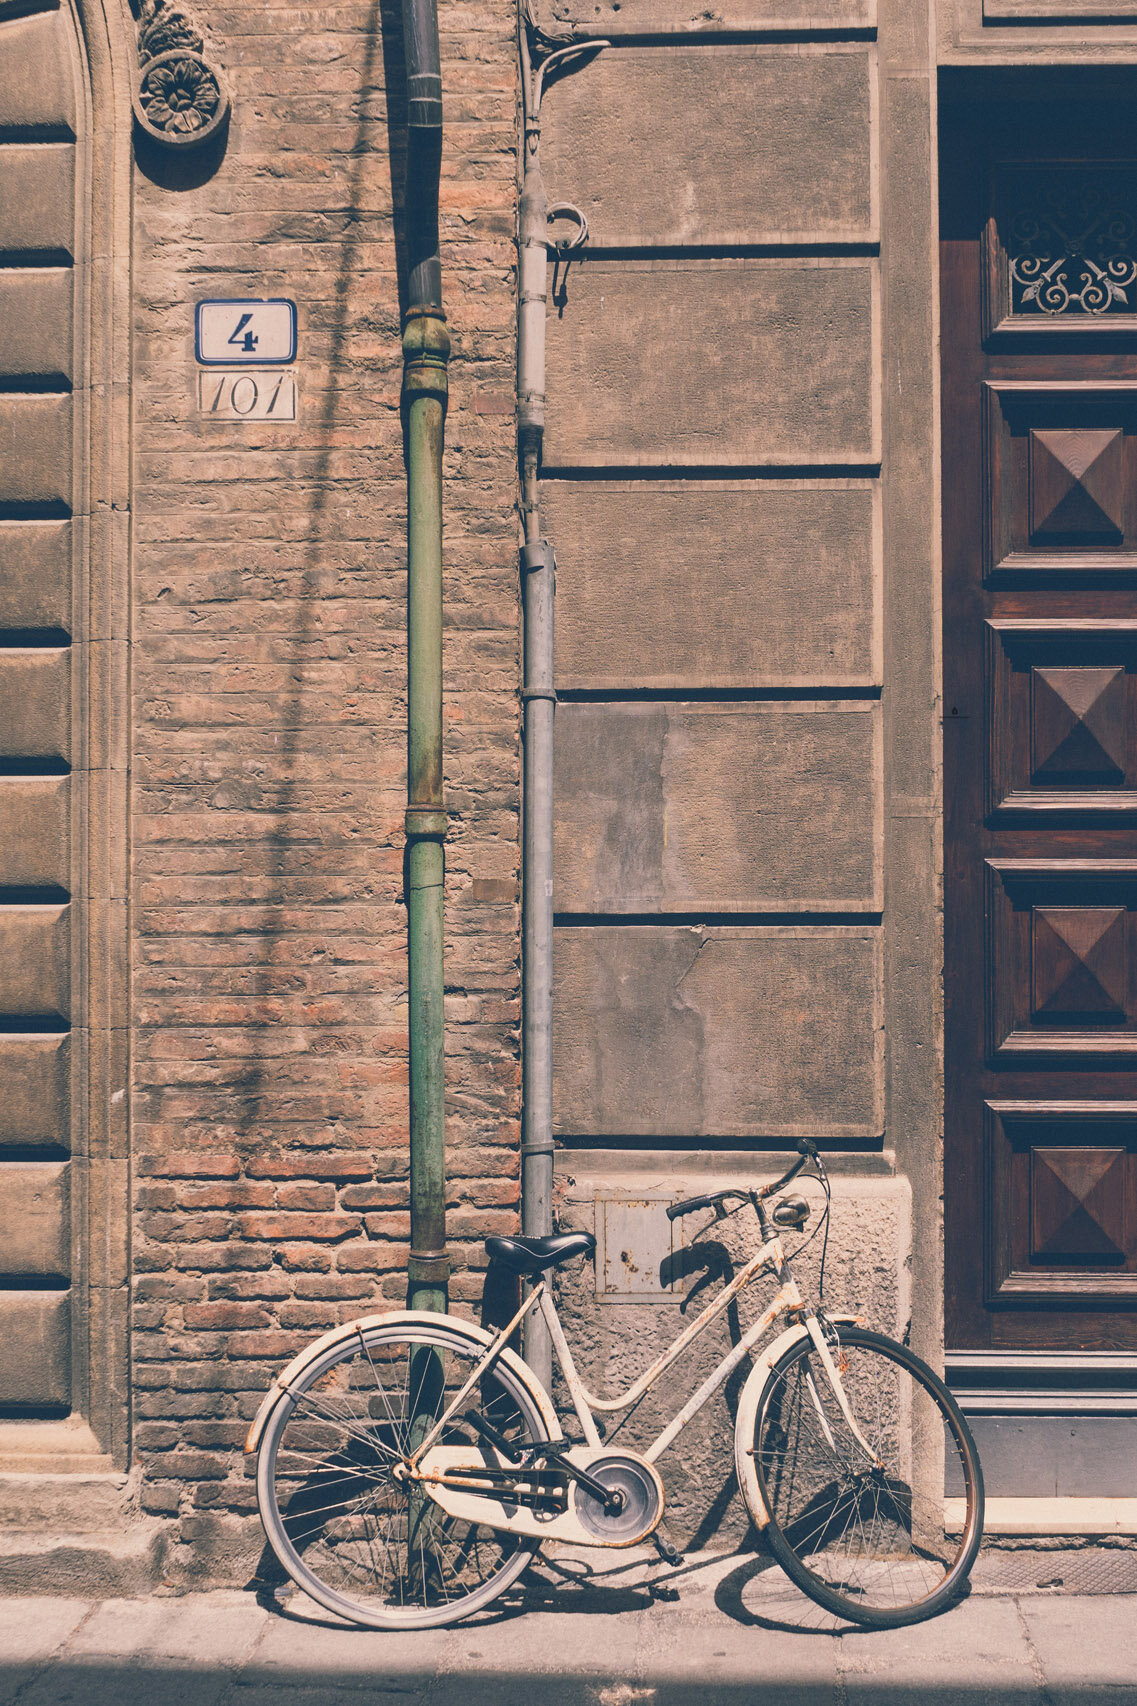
179	99
1071	246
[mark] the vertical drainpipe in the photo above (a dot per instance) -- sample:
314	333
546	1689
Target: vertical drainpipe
426	350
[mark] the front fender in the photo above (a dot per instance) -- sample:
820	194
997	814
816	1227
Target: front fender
458	1330
747	1416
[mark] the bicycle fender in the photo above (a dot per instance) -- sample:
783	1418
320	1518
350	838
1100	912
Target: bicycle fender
459	1330
747	1415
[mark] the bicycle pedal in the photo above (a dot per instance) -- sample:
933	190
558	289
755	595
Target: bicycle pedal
665	1549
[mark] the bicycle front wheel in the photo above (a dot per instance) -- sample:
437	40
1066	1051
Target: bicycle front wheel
374	1549
865	1536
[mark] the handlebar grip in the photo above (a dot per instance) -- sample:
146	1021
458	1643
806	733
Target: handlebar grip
688	1206
806	1146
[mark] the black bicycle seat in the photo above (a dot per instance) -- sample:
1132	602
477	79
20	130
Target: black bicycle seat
533	1255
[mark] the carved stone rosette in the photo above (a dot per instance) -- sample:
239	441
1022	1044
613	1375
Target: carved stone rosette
179	99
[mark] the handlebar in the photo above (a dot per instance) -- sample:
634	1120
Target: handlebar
807	1151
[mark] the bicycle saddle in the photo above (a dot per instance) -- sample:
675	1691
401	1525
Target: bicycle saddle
533	1255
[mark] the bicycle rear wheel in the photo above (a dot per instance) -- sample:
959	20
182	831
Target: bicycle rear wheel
376	1550
867	1539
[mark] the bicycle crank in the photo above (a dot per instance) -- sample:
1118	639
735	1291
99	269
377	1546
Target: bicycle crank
634	1505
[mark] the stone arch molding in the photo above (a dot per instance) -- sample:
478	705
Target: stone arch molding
67	70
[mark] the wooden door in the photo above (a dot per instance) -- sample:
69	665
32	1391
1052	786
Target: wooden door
1039	322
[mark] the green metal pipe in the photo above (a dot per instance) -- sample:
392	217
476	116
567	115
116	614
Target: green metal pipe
426	350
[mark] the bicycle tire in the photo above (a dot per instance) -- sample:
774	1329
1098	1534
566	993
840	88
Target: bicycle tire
333	1513
868	1542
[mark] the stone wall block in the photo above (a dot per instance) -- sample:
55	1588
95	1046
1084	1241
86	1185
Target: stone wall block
727	363
35	325
714	583
689	17
713	1033
37	83
35	847
35	450
34	1091
695	808
35	1219
35	575
37	197
35	702
782	150
35	976
35	1369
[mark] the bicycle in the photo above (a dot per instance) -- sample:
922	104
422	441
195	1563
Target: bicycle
410	1465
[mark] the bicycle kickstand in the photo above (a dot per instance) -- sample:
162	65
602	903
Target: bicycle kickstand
665	1549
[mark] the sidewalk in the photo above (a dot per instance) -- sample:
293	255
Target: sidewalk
720	1631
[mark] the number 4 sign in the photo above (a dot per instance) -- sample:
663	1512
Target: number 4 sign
242	333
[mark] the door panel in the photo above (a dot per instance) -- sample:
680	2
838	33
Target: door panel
1039	269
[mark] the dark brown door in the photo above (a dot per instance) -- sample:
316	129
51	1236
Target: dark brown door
1039	302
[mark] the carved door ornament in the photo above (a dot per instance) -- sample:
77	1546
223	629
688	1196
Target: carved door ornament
1062	248
179	99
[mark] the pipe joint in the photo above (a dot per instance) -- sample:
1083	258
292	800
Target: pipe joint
426	353
425	823
428	1267
424	100
537	556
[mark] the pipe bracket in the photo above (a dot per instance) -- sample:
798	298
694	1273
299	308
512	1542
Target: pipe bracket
549	693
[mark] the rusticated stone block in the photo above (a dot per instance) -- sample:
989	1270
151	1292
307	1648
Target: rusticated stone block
35	574
37	79
35	450
35	1370
35	702
771	807
723	363
35	1219
37	198
728	1032
35	324
782	150
35	980
35	849
35	1091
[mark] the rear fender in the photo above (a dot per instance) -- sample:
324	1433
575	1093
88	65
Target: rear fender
747	1415
459	1331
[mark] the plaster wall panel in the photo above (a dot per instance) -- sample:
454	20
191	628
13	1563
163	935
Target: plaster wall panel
35	1370
35	575
710	808
613	18
715	363
35	702
34	1091
35	1219
35	450
37	78
713	1033
34	832
37	197
715	584
36	325
35	979
783	150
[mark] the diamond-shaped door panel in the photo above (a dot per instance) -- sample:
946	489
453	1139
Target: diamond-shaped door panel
1078	719
1079	963
1076	486
1078	1200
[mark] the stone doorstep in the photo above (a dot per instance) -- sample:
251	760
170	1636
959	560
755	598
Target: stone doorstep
118	1563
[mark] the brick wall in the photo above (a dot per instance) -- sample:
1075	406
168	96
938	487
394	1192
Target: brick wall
269	716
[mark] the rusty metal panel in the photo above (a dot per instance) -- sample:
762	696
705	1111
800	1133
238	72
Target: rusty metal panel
771	807
36	325
35	850
34	1091
35	1219
35	575
35	1330
783	150
35	970
725	363
703	1034
37	197
35	702
713	583
35	450
636	1249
